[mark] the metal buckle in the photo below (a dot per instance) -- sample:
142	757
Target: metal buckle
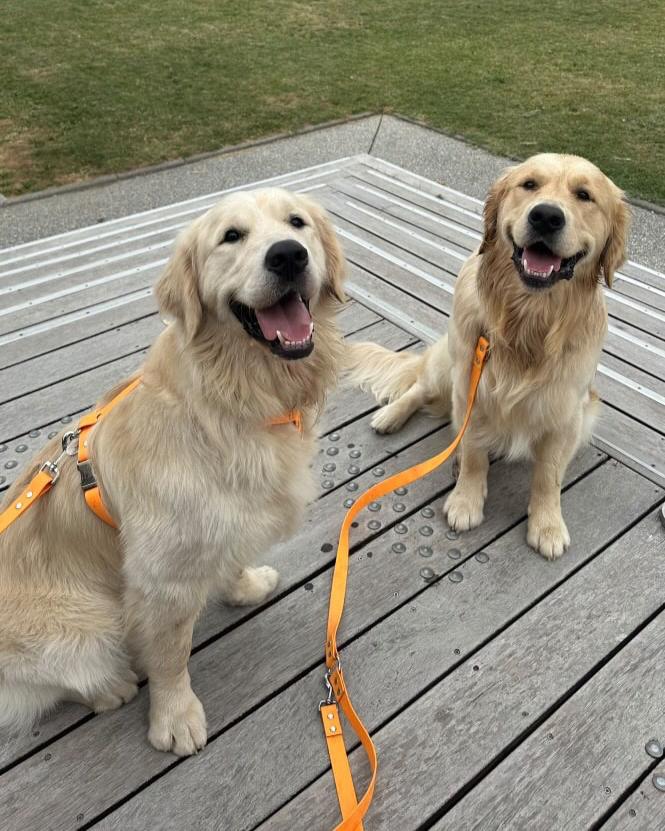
88	480
330	693
70	443
52	469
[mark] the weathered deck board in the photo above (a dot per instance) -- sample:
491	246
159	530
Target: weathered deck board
538	633
643	810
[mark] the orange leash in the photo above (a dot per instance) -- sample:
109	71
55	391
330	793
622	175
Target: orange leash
351	809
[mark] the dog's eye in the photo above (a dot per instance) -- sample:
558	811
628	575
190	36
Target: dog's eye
297	221
530	184
232	235
583	195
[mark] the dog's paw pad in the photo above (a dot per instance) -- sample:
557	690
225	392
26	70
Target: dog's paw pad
548	537
183	732
462	512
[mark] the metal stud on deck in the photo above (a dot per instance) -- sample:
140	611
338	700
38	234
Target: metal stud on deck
654	748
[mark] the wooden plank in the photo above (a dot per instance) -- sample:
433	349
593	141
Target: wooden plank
634	444
47	370
651	276
635	347
420	285
48	272
71	302
437	747
393	208
96	322
300	749
423	244
408	312
643	810
627	388
588	751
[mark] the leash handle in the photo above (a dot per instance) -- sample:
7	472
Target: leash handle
353	810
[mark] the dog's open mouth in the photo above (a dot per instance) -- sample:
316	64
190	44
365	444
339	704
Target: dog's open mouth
285	327
540	268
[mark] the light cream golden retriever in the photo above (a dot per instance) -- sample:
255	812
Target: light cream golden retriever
555	230
198	481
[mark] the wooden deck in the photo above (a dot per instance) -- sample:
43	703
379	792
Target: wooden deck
503	691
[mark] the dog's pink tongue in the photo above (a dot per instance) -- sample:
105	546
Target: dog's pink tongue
541	261
290	316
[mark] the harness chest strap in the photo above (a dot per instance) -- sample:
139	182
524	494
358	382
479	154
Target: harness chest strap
49	472
351	809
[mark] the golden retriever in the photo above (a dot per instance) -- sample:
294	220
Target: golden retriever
555	228
196	478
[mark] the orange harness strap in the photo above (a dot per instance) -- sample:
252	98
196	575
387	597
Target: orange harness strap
353	810
91	492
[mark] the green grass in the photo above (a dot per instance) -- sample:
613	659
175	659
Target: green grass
97	86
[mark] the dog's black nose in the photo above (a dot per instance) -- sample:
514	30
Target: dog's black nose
287	258
546	218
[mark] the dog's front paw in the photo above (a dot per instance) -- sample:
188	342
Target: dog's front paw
548	535
252	587
387	419
179	726
463	511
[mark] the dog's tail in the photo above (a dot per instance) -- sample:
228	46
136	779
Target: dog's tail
387	375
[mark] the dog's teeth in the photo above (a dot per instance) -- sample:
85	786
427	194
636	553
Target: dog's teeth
311	328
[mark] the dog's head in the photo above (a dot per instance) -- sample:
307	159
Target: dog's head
261	261
556	216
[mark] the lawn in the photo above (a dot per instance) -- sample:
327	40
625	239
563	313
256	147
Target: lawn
97	86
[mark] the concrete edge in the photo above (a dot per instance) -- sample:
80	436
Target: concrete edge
99	181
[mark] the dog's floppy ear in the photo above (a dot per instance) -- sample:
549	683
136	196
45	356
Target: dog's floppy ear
335	262
614	253
177	290
491	211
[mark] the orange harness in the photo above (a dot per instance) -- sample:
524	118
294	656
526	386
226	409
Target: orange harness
351	809
77	442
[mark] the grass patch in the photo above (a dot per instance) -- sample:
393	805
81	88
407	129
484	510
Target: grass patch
100	86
